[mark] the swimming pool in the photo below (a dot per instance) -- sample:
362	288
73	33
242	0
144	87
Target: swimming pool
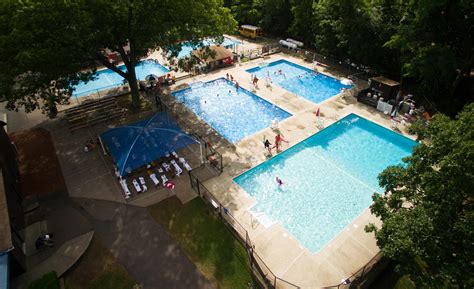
328	178
187	48
299	80
235	114
106	78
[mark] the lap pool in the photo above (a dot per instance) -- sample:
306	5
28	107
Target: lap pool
299	80
234	113
328	179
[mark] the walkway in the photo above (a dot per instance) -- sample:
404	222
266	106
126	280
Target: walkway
142	246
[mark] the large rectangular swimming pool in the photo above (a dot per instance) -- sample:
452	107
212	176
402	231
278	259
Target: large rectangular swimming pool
107	79
328	179
234	113
299	80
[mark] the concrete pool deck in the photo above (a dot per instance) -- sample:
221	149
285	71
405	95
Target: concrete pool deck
352	248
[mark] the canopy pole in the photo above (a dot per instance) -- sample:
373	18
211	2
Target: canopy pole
200	148
102	145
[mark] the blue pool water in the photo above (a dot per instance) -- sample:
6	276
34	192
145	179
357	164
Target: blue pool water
187	48
300	80
328	178
235	114
106	78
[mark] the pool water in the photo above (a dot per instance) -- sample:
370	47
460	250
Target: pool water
235	114
106	78
187	48
299	80
328	179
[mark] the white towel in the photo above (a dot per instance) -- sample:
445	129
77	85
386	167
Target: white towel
185	164
167	167
136	185
164	179
154	179
177	168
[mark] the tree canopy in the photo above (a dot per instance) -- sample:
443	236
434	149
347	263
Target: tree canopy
427	209
45	44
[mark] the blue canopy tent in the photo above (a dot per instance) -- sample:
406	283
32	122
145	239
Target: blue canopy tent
135	145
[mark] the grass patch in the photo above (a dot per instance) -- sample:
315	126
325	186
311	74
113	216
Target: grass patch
98	268
206	241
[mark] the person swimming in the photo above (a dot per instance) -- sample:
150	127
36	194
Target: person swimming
279	182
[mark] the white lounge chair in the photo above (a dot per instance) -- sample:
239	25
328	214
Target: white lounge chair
137	186
154	179
143	183
177	168
185	164
125	188
164	179
167	167
175	154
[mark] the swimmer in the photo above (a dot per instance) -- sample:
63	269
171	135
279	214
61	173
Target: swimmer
279	182
236	85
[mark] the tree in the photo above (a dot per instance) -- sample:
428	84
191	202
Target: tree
245	11
435	40
427	209
46	44
302	27
276	16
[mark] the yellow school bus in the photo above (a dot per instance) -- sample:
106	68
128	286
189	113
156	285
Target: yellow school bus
250	31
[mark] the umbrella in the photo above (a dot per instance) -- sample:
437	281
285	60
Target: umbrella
346	81
151	77
135	145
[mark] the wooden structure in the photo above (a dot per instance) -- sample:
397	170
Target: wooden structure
93	112
214	56
380	89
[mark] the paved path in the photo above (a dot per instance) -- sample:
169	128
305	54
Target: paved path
142	246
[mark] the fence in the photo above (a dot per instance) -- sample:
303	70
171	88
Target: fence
260	270
213	157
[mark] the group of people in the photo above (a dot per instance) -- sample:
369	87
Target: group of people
278	143
231	78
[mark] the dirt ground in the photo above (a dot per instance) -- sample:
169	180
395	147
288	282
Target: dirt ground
39	166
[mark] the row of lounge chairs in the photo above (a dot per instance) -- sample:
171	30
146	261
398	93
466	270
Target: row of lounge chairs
166	167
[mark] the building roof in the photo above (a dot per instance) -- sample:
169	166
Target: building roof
251	27
217	53
385	81
5	231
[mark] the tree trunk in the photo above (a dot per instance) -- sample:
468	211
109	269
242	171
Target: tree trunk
132	82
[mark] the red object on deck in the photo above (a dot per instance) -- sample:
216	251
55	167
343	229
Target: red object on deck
317	112
169	185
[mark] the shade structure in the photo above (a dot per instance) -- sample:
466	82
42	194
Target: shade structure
135	145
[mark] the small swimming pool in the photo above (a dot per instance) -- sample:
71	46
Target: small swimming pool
328	178
235	114
187	48
299	80
106	78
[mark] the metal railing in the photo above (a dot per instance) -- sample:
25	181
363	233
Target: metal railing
260	270
212	156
